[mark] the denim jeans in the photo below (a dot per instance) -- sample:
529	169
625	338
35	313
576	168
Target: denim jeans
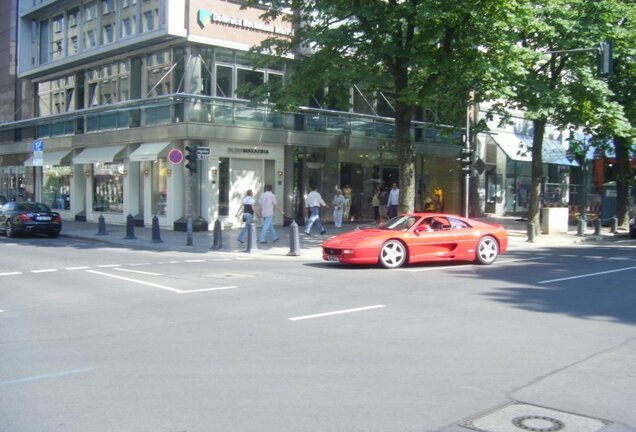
268	226
314	216
247	218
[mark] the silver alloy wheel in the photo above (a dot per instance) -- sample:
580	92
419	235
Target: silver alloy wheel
393	254
487	250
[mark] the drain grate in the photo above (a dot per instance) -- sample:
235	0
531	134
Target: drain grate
520	417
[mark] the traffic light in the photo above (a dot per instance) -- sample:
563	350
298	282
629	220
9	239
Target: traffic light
191	158
465	160
606	62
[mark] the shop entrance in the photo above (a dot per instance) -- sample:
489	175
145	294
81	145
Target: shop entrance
245	174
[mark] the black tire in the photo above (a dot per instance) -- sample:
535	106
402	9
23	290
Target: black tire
8	229
487	250
393	254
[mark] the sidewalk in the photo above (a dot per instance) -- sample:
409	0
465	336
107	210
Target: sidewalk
203	241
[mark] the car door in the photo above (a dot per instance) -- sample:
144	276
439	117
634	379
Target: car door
4	210
438	242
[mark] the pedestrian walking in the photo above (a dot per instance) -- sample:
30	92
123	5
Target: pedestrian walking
384	199
347	192
248	209
394	198
338	203
313	203
268	203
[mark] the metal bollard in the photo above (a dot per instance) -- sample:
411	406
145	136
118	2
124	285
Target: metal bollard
614	225
252	239
156	235
101	226
217	240
130	228
530	230
294	240
580	230
597	227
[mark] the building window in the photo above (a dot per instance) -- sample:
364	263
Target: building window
56	187
159	186
224	81
247	80
108	187
108	21
149	15
90	24
56	96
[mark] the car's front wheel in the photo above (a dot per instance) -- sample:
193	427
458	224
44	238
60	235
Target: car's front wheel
393	254
487	250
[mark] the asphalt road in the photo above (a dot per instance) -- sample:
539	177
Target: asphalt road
96	338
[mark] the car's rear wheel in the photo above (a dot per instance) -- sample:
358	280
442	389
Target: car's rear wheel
8	229
393	254
487	250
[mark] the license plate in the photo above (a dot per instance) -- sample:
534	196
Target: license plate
43	218
333	259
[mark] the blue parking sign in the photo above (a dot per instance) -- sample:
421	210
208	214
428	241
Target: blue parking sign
38	146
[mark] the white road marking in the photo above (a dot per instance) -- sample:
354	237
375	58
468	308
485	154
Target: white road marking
10	273
77	268
345	311
1	310
207	289
135	281
41	377
136	271
194	261
220	259
108	265
586	275
140	264
44	271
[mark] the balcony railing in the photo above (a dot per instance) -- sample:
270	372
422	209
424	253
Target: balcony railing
179	108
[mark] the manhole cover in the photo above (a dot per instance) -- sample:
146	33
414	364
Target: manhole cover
520	417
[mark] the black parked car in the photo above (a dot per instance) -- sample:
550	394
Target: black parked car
29	217
3	200
632	227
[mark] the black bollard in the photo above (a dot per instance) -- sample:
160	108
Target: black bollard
530	230
101	226
613	224
130	228
294	240
252	239
597	226
217	241
156	235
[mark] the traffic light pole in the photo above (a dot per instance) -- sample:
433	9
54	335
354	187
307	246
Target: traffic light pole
467	151
189	215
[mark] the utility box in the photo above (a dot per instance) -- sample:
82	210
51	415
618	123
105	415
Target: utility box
609	198
554	220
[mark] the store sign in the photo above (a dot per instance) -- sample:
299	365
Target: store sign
205	18
247	150
38	153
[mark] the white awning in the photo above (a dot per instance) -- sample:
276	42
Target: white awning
148	151
97	155
51	158
519	148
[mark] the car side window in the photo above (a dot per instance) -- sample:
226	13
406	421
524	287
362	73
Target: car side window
457	224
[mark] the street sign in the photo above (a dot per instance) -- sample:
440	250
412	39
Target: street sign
203	152
175	156
38	153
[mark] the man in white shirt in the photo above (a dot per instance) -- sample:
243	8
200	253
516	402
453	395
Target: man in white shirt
313	202
268	203
394	198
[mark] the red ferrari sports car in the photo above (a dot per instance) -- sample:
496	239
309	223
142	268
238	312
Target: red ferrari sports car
419	237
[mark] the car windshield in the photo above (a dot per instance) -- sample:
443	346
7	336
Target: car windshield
400	223
32	207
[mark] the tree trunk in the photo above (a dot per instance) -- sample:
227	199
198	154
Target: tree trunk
537	173
405	157
621	145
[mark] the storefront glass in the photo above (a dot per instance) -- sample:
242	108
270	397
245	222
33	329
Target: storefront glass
108	187
56	187
159	186
17	183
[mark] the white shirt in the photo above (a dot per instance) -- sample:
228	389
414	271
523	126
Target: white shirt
314	200
394	197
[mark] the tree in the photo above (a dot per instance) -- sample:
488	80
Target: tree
423	51
557	81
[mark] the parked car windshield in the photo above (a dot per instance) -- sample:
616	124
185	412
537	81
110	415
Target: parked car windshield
400	223
32	207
